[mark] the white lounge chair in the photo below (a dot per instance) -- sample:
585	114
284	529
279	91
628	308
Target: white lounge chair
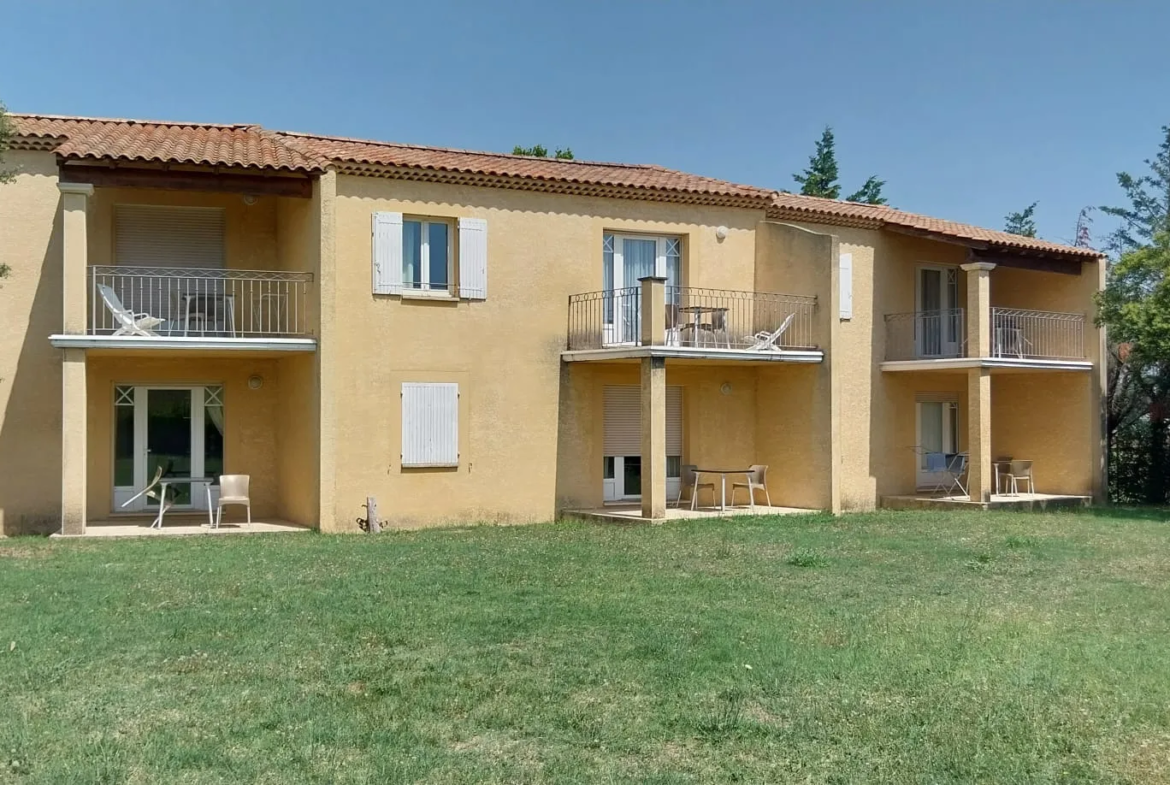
159	495
129	323
764	341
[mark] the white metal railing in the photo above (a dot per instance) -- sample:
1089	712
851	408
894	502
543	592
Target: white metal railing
926	335
1040	335
695	318
182	301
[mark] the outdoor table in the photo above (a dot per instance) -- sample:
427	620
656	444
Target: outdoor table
696	312
723	481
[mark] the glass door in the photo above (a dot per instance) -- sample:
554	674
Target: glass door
627	259
169	440
938	432
937	321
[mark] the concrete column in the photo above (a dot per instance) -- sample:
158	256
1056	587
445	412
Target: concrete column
653	310
654	437
979	308
74	200
75	259
979	472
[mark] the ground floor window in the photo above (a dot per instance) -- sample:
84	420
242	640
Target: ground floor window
175	429
622	464
938	433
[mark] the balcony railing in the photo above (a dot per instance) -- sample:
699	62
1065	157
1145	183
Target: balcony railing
695	318
1037	335
181	301
926	335
1015	333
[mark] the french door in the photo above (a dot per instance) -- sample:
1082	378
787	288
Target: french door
938	432
627	259
622	467
938	321
175	428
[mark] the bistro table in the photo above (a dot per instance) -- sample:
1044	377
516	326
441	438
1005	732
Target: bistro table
697	325
723	481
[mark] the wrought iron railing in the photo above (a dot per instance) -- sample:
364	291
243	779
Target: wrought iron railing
926	335
181	301
695	318
1039	335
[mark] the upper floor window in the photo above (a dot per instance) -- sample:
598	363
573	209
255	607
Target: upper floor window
426	255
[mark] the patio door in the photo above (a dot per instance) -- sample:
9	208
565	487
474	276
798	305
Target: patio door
178	429
628	258
938	325
622	462
937	432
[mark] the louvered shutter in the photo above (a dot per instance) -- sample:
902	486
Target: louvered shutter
846	274
387	253
155	236
473	258
623	420
430	424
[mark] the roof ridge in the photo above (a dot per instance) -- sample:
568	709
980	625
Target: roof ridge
129	121
465	151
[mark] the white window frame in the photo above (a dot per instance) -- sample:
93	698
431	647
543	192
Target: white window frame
616	332
424	289
948	348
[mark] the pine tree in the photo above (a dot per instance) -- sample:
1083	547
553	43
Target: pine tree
869	193
6	134
1023	222
1148	213
820	178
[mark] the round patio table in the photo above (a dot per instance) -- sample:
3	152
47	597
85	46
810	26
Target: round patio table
723	481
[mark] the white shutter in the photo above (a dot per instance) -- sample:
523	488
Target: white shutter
846	274
623	420
473	258
387	253
430	424
673	420
154	236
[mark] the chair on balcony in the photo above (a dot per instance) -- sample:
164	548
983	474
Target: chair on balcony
764	341
129	323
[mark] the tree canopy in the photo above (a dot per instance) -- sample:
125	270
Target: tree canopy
820	176
6	133
1022	222
1148	213
540	151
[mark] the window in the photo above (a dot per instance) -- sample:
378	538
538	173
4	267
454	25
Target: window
430	424
426	255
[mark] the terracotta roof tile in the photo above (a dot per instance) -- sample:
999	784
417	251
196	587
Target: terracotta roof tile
250	146
835	211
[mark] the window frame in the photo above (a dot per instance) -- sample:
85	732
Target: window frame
422	287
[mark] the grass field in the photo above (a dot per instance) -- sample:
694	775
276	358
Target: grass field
908	647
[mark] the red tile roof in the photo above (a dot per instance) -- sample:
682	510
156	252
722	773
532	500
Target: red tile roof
253	147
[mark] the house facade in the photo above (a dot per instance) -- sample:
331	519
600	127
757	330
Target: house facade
480	337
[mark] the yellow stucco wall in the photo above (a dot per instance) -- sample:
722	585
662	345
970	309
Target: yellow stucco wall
30	369
503	351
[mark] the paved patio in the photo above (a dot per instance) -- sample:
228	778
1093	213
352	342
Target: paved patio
632	513
180	526
999	501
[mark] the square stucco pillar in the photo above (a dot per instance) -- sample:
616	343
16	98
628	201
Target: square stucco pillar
979	474
653	310
978	308
75	243
654	438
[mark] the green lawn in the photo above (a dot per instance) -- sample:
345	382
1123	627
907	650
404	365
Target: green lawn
908	647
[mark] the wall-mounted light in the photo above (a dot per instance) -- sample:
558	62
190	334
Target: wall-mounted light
255	382
249	199
721	233
725	388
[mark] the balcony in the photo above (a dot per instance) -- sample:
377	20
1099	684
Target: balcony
696	322
141	307
1017	336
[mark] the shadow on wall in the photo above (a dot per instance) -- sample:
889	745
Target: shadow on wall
30	437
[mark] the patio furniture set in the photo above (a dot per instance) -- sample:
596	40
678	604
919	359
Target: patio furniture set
202	314
708	327
1009	473
233	489
755	479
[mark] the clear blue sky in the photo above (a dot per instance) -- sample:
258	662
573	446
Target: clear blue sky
967	109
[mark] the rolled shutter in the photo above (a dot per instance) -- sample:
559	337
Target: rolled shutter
155	236
846	274
623	420
473	258
430	424
387	253
936	397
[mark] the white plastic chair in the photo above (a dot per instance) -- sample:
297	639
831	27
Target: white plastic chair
130	323
764	341
757	480
160	496
1021	470
233	489
690	479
